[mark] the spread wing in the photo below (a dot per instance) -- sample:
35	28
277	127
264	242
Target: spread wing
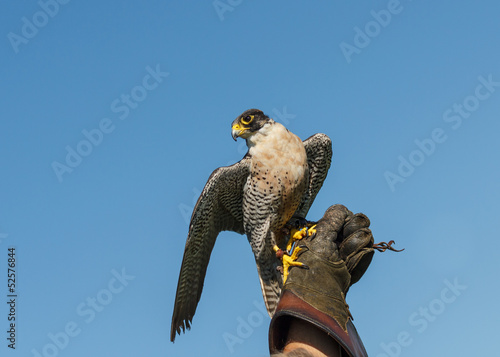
319	157
219	208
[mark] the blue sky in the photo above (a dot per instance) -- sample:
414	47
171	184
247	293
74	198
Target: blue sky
115	114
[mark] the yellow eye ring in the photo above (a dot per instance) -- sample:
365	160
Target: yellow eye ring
246	121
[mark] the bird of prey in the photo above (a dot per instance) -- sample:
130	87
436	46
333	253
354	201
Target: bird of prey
276	180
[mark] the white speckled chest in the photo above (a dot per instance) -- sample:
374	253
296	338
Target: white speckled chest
279	175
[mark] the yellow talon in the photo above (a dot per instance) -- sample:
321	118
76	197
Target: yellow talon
289	260
311	230
296	235
290	256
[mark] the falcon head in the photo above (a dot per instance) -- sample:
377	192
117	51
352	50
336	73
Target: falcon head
249	122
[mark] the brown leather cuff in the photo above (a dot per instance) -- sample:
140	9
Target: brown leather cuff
291	306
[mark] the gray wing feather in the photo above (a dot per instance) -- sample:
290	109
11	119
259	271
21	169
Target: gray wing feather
219	208
270	282
319	157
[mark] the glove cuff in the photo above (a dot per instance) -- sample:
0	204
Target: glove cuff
291	306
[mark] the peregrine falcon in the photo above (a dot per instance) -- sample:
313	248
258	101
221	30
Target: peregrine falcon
276	180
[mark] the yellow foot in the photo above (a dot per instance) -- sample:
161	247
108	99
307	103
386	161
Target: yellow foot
297	234
289	260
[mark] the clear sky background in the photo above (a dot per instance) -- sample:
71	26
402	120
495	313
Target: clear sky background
409	92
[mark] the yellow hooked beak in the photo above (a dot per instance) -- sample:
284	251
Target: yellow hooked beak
237	130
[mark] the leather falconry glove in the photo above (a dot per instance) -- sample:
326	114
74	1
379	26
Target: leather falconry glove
337	256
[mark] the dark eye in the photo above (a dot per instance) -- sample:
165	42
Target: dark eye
247	120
